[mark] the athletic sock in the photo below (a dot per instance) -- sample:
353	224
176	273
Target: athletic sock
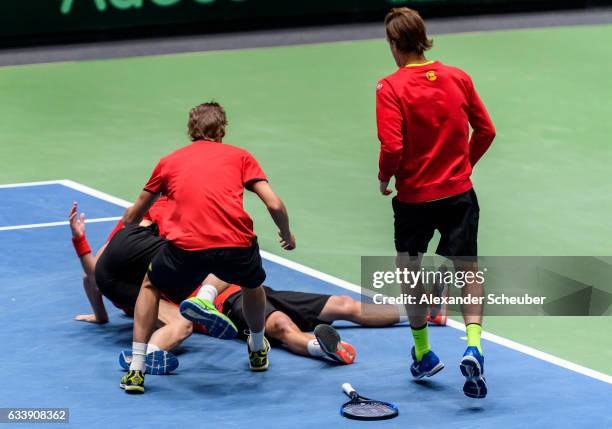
151	348
314	349
256	341
421	342
473	331
207	292
138	356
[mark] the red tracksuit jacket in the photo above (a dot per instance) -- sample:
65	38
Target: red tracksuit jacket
423	114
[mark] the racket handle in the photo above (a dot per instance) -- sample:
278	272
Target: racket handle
348	389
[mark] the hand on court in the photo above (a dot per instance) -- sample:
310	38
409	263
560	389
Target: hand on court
384	188
89	318
287	242
77	223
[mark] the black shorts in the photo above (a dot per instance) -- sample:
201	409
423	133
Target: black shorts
303	308
123	264
456	218
177	272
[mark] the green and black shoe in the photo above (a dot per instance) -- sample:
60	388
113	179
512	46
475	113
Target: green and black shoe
133	382
204	313
258	361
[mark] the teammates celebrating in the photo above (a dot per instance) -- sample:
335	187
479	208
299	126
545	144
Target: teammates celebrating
190	238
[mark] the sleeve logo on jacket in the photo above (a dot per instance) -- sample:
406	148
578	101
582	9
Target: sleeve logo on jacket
431	76
379	86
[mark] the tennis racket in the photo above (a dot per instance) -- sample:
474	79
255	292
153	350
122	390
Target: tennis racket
360	408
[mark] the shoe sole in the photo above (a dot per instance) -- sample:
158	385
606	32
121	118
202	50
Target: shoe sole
132	389
258	368
263	367
331	344
436	369
217	326
157	363
475	385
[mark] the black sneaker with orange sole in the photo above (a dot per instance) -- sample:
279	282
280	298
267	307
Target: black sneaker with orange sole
333	346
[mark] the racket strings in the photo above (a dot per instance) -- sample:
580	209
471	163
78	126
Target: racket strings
370	408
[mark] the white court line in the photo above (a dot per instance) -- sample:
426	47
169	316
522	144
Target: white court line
357	289
95	193
25	184
47	224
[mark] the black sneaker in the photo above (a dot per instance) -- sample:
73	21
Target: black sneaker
258	361
333	346
133	382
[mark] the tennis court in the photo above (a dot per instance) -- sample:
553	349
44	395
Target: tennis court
307	113
52	361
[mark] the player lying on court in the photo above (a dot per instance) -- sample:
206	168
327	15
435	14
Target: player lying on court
289	315
424	112
207	231
116	272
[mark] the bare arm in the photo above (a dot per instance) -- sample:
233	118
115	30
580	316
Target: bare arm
88	262
95	300
77	227
278	212
134	214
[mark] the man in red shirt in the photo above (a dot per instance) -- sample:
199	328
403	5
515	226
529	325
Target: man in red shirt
424	112
208	231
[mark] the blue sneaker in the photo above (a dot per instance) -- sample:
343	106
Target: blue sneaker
204	313
159	362
472	368
428	366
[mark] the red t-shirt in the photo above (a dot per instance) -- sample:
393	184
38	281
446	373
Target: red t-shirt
205	184
156	214
424	114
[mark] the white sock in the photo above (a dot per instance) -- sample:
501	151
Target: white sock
152	348
207	292
314	349
402	319
256	340
138	356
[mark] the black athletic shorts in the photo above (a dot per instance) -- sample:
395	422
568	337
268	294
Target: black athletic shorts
123	264
456	218
303	308
177	272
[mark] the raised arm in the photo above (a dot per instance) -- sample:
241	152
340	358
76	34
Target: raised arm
88	262
278	212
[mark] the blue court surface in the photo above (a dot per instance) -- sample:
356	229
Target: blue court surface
50	360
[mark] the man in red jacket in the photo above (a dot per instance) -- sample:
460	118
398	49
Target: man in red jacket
424	112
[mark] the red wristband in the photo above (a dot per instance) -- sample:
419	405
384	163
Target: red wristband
81	245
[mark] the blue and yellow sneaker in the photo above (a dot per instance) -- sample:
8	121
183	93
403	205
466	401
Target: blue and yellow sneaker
204	313
133	382
472	368
258	361
426	367
159	362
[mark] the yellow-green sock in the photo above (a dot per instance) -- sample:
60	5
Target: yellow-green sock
421	342
473	331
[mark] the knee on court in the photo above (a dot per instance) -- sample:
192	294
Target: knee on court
347	305
279	323
183	330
